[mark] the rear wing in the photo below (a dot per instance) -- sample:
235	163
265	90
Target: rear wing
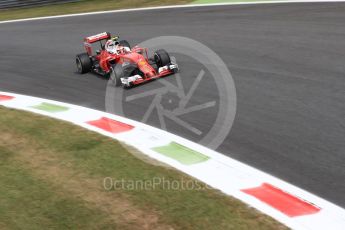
95	38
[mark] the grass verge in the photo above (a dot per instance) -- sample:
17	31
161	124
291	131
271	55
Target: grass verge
83	6
52	175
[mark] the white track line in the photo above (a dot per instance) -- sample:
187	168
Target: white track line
220	171
167	7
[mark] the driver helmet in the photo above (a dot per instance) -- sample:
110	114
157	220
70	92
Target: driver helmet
111	46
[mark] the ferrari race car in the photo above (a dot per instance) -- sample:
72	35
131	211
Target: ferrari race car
126	66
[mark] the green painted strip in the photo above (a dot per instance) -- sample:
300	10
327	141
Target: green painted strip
50	107
181	153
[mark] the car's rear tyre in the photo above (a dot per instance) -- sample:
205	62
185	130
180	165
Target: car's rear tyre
125	43
84	63
162	58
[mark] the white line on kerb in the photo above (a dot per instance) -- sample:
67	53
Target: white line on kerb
168	7
329	210
220	171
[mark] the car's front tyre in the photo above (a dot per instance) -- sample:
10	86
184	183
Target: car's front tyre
162	58
116	73
125	43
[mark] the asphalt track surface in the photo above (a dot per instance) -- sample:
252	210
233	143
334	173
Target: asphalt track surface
287	61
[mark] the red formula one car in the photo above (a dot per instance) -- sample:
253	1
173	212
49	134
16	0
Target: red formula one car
125	65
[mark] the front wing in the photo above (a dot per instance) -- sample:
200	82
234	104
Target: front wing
162	72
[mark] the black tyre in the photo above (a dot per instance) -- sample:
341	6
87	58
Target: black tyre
84	63
116	74
125	43
162	58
